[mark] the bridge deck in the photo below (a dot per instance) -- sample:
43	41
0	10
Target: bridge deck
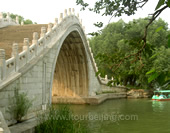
11	34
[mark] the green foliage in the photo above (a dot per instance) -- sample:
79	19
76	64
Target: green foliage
119	7
119	39
21	105
59	120
28	21
124	46
116	7
160	71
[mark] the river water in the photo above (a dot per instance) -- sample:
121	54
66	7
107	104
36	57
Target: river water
126	116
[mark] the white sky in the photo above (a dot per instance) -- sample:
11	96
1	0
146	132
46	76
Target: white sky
45	11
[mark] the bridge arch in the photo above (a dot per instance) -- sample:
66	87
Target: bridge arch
70	70
70	74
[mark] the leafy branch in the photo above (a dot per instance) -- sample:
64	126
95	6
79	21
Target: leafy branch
144	40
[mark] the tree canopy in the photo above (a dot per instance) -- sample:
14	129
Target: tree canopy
119	39
132	53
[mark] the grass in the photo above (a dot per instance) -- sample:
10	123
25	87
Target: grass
59	120
21	106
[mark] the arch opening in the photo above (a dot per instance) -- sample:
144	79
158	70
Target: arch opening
71	74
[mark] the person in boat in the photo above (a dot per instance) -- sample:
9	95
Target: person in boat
162	96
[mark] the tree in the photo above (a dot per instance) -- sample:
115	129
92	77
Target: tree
28	21
117	40
129	7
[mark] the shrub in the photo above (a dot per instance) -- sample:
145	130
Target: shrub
21	106
59	120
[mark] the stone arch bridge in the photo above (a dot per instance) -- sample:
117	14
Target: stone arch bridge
57	66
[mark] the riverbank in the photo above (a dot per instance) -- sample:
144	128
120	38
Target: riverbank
29	125
88	100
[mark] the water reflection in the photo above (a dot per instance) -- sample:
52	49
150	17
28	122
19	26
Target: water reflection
158	106
151	114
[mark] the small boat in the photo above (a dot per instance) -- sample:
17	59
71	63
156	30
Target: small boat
161	95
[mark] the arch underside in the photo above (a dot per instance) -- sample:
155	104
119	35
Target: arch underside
71	74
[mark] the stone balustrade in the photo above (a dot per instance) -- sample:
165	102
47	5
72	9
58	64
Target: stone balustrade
8	20
18	60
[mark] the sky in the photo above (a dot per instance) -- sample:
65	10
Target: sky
45	11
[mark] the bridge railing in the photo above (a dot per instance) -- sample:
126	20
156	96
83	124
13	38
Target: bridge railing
29	52
8	20
18	60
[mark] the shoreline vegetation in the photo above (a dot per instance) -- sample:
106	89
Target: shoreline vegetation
57	119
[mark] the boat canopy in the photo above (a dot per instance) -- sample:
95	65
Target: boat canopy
163	91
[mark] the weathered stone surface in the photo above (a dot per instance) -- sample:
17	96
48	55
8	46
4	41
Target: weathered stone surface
139	93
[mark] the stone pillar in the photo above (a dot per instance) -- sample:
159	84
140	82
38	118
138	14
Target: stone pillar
22	23
56	22
61	17
26	44
2	64
105	78
112	81
81	22
1	15
8	15
26	48
65	13
43	31
17	19
50	25
73	11
35	38
43	35
89	48
15	55
78	15
69	11
35	41
91	54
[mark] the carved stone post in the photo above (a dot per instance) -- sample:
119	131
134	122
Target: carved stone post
8	15
106	78
2	64
73	11
69	11
56	22
65	13
112	81
78	15
35	41
15	55
43	34
43	31
22	23
81	22
26	48
61	17
17	19
50	25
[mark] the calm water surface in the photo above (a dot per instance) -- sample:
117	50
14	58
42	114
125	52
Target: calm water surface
126	116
